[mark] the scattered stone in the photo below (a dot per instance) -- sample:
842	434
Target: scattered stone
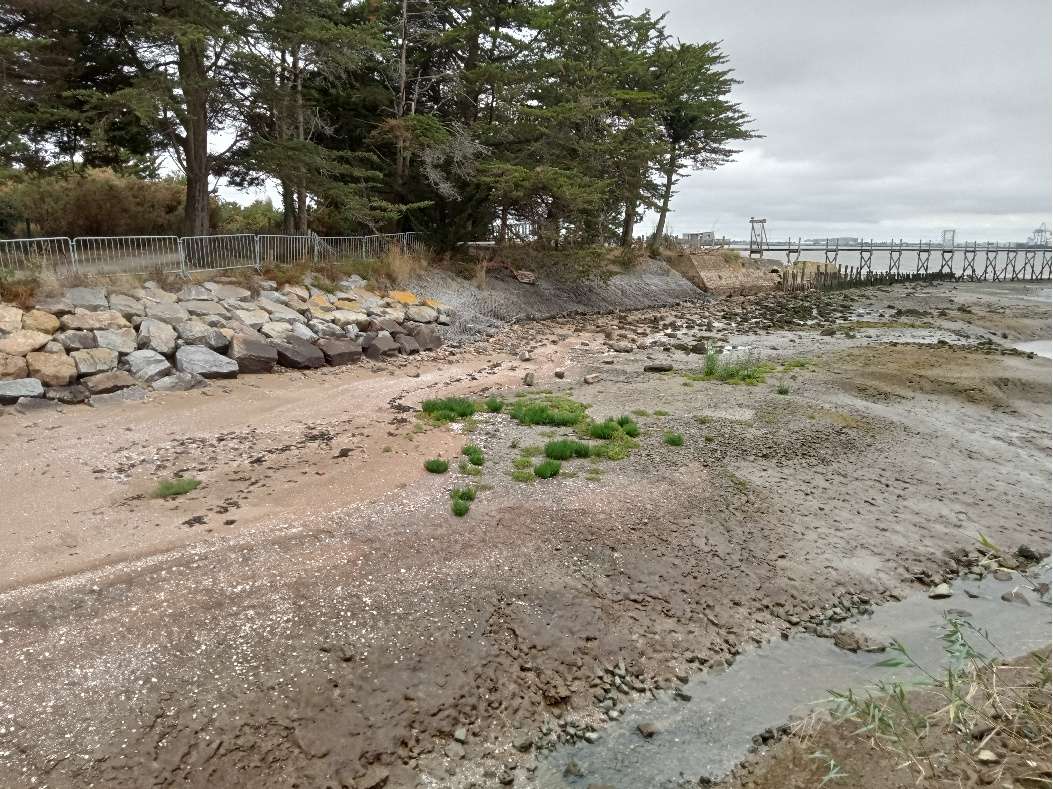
180	382
104	383
560	374
376	777
88	298
407	344
27	404
940	592
1015	596
56	306
195	332
572	770
300	330
427	337
157	336
12	391
460	734
120	340
659	367
93	361
279	312
528	379
421	314
52	369
90	321
622	347
647	730
38	320
853	641
205	362
829	331
985	756
325	329
522	742
12	367
591	378
275	330
298	354
340	351
22	341
376	346
1002	575
1029	554
68	395
252	317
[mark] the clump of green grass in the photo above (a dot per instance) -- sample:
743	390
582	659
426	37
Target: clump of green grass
798	363
732	369
641	412
523	475
437	465
547	469
465	494
612	450
783	388
460	507
661	413
550	410
467	468
474	454
629	426
522	462
533	451
673	439
174	487
448	409
566	449
604	430
494	404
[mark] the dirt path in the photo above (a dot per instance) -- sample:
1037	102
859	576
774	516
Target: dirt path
345	627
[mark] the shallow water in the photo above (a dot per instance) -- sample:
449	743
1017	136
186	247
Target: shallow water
710	734
1037	347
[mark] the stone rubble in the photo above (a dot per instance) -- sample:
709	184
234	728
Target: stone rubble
98	341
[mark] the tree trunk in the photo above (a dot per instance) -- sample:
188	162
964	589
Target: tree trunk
502	235
288	208
628	221
667	193
301	133
193	81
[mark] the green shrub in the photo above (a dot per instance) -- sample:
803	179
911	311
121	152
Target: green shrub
549	410
174	487
494	405
605	430
465	494
565	449
547	469
474	454
674	439
436	465
612	450
629	426
448	409
460	507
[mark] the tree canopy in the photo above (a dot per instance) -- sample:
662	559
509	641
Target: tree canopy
460	119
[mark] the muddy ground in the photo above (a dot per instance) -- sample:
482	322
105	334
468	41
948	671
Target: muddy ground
313	615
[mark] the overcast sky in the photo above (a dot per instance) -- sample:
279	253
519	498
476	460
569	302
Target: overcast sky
883	119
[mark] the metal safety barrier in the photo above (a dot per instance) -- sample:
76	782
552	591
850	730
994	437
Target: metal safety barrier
37	254
127	254
216	253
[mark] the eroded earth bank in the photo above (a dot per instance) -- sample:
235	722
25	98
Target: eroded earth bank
313	615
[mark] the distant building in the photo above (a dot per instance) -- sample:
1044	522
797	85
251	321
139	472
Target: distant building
706	239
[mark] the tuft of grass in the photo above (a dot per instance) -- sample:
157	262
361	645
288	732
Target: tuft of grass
533	451
448	409
641	412
547	469
174	487
465	494
566	449
474	454
605	430
523	475
494	405
467	468
661	413
732	369
522	462
629	426
550	410
673	439
437	465
460	507
798	363
782	388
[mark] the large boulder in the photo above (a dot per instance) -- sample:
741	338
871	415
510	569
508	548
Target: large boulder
90	321
374	346
148	366
38	320
56	306
232	292
407	344
325	329
69	395
128	306
344	318
52	369
300	330
11	391
172	314
120	340
252	355
421	314
276	330
426	335
195	332
385	325
12	367
93	361
204	308
205	362
88	298
22	341
279	312
104	383
196	293
252	317
10	318
77	340
298	354
179	382
340	351
157	336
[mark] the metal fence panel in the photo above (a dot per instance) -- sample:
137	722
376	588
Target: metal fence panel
286	250
35	254
215	253
127	254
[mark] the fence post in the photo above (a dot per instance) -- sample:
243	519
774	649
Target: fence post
256	252
184	269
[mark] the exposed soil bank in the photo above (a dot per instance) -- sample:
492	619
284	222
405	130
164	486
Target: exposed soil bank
346	626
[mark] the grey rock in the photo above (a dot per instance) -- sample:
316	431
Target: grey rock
300	330
53	346
195	332
427	336
201	308
376	346
560	374
528	379
421	314
388	325
279	312
127	306
148	366
205	362
1029	554
252	355
180	382
93	361
69	395
76	340
57	306
344	318
103	319
169	313
591	378
120	340
275	330
252	317
232	292
157	335
27	404
22	341
126	394
940	592
275	296
340	351
299	291
298	354
12	391
1015	596
658	367
647	730
325	329
460	734
407	344
157	295
88	298
196	293
104	383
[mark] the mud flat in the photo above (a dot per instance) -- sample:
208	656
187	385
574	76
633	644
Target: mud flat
314	615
